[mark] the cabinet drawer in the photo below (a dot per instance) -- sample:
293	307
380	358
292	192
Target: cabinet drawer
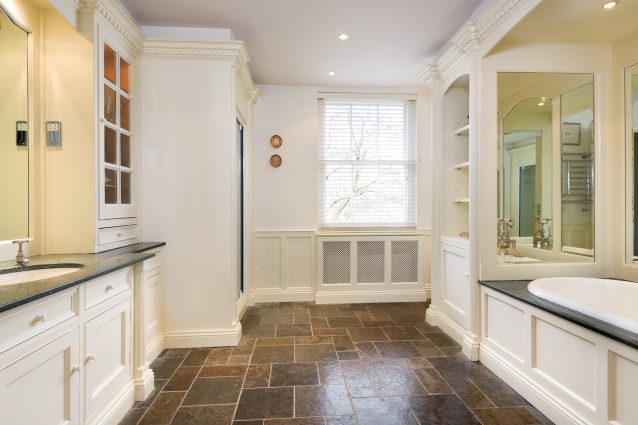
153	263
116	234
107	287
16	327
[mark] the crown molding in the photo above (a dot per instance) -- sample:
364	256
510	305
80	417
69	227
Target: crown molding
232	51
113	13
430	74
472	33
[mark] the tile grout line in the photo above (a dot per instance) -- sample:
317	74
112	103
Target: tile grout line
243	382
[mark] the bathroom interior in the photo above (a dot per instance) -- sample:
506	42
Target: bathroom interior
318	213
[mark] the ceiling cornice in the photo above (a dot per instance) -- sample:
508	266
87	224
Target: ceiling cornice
117	17
232	51
472	33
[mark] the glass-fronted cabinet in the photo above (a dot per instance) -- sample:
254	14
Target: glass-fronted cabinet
117	195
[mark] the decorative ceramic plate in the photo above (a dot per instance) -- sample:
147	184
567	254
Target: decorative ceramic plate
276	141
275	161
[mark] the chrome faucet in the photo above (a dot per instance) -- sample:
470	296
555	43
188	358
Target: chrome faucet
540	240
21	259
505	242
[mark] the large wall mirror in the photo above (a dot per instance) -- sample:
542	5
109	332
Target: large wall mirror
546	167
14	137
631	86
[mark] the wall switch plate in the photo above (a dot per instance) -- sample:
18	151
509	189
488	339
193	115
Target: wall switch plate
22	133
54	133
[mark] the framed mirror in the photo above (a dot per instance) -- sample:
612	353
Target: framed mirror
546	172
631	120
14	130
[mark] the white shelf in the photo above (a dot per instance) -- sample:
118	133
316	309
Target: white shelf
462	165
463	131
461	200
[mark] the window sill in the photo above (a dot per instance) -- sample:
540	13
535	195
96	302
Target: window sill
400	231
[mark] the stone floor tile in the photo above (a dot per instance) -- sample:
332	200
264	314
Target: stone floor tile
383	411
273	354
343	343
275	341
266	403
217	371
218	356
441	409
222	390
182	379
292	374
315	353
403	333
328	400
196	357
204	415
344	322
367	334
507	416
257	375
397	349
163	408
293	330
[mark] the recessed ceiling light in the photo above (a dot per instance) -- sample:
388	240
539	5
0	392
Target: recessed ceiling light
543	99
332	73
541	104
343	36
610	5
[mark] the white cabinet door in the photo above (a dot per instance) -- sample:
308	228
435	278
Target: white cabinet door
108	357
43	387
455	284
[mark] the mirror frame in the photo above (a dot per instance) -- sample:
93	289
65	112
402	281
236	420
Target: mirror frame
7	250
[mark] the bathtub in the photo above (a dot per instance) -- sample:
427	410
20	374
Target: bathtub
612	301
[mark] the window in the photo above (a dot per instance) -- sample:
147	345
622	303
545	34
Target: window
367	162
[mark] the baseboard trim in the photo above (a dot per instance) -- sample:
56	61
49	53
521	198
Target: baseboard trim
144	386
543	401
208	338
154	349
115	411
470	344
267	295
386	296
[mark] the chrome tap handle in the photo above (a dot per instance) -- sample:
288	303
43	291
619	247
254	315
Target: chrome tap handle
21	259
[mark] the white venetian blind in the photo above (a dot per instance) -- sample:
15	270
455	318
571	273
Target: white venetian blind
367	162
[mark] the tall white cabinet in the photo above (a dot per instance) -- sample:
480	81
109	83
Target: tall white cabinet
454	305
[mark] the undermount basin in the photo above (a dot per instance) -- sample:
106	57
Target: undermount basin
22	275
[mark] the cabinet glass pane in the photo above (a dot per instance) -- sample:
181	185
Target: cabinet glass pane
124	76
110	105
125	113
125	151
126	187
110	186
110	145
110	60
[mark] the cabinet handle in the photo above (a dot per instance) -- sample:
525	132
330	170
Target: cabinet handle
75	369
90	357
40	318
109	288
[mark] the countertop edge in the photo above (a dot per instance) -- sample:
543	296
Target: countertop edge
598	326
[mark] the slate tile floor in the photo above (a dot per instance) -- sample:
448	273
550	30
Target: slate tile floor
307	364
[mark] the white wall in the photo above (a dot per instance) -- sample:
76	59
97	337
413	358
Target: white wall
286	197
189	153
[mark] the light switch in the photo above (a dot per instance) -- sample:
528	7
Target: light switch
22	132
54	133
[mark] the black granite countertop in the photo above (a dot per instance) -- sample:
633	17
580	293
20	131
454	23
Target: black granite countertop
94	265
518	289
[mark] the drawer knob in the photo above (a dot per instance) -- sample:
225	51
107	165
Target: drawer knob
40	318
109	288
90	358
120	234
75	369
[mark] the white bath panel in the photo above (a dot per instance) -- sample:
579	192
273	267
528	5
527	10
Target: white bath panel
268	263
298	265
566	360
623	390
505	327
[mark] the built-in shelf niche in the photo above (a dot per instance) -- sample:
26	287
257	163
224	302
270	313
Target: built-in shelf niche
455	156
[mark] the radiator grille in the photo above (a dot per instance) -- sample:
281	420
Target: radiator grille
405	261
336	262
370	261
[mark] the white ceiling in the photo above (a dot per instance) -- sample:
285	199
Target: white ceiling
295	41
577	21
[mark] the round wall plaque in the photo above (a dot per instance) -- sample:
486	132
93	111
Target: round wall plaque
276	141
275	161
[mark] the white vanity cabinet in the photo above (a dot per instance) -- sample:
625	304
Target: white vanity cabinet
455	280
71	362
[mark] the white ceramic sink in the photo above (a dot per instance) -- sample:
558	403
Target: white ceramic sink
21	276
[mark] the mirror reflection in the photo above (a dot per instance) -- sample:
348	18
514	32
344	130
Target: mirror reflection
546	167
631	82
14	150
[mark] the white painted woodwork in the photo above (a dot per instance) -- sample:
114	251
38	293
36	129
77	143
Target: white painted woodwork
102	289
42	386
571	374
107	355
23	323
455	284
